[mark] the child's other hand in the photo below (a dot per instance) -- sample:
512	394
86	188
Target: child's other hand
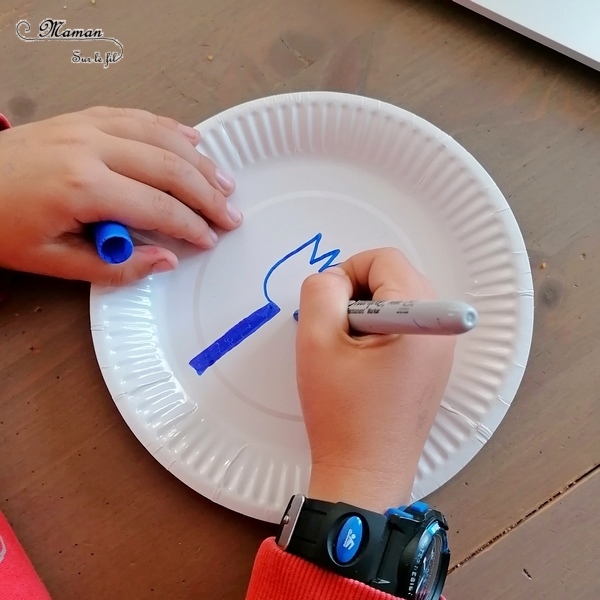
105	164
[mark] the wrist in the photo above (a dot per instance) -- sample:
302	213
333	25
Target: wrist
371	490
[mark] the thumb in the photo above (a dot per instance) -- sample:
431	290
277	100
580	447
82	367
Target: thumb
82	262
323	309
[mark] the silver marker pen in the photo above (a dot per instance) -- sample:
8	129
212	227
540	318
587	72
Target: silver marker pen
411	317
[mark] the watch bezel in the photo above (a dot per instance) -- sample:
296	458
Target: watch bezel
414	552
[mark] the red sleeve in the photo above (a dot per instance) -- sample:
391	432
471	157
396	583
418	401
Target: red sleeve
18	579
4	275
278	575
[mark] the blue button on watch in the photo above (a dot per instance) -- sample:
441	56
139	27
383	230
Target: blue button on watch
349	539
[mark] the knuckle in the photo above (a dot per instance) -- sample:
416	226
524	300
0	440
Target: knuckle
313	283
95	111
162	206
148	128
167	122
216	198
205	165
172	165
151	117
80	178
104	111
73	134
392	252
185	171
118	278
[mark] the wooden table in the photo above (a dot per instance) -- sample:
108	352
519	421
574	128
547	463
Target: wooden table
99	517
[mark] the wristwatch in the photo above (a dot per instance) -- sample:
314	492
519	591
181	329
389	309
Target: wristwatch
403	552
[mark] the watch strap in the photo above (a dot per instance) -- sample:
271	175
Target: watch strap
320	524
311	525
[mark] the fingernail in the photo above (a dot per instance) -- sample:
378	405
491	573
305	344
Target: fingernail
234	213
226	182
189	132
162	266
213	236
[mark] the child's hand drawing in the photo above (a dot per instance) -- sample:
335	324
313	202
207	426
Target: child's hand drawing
370	399
247	326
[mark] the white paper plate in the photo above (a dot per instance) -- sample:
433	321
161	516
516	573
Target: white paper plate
363	174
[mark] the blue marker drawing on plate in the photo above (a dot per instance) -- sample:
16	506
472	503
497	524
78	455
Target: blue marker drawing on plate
246	327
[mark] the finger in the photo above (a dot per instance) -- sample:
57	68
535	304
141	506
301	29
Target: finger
388	275
166	171
108	112
152	130
323	310
138	205
76	258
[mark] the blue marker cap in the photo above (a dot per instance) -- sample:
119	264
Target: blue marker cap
113	242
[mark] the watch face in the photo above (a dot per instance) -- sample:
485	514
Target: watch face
429	572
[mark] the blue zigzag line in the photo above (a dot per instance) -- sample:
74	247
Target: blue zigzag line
246	327
328	257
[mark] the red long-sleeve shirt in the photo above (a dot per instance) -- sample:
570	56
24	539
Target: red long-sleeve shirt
278	575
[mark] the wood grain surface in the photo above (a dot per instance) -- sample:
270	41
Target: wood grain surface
553	555
98	516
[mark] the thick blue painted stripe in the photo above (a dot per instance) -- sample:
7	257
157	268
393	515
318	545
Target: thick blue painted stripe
236	335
